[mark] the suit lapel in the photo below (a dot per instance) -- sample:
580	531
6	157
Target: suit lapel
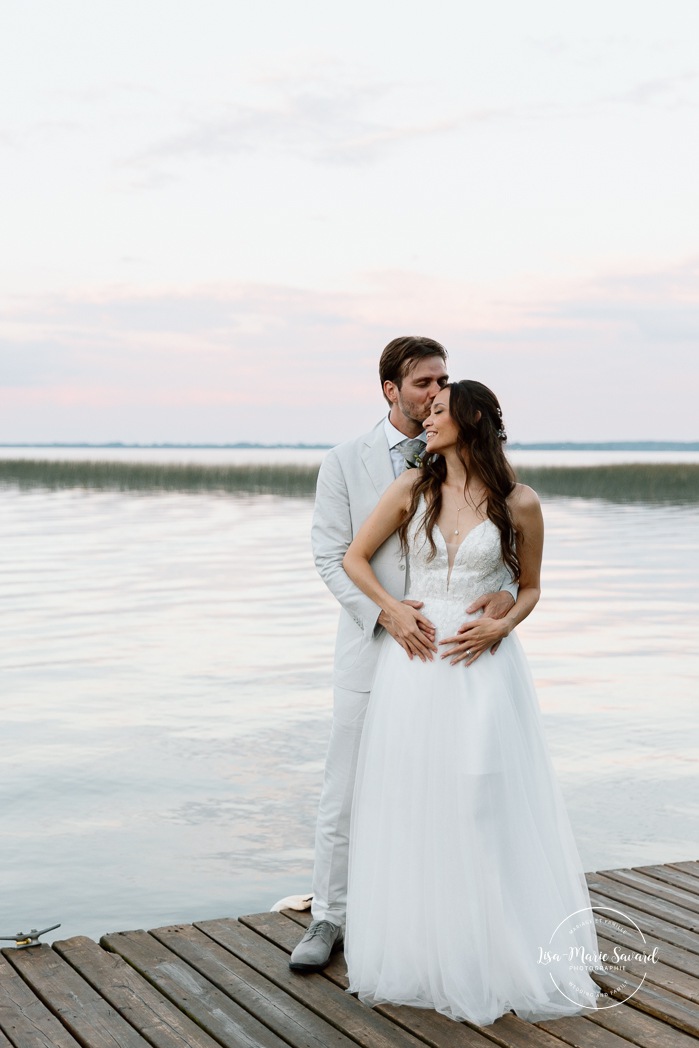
377	459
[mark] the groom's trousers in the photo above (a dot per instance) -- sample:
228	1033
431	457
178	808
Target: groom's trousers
332	828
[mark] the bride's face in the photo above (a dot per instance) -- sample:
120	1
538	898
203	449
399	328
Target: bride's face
440	428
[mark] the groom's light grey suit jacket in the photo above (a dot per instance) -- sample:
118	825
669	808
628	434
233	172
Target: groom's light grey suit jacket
352	478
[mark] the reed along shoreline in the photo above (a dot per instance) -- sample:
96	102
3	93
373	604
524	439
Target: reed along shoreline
622	483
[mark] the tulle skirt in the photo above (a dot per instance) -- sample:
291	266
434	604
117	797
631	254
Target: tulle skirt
464	876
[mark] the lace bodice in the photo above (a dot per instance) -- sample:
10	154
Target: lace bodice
477	568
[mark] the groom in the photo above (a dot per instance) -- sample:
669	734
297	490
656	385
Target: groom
352	478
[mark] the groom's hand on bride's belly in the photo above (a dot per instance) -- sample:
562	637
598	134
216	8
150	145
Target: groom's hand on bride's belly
493	605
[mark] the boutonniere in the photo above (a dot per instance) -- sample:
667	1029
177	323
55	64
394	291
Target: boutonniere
416	459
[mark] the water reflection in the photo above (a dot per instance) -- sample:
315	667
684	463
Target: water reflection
166	697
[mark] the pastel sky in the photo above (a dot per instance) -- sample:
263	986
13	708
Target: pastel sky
215	214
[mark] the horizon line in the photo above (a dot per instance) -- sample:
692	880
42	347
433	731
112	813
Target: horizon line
561	445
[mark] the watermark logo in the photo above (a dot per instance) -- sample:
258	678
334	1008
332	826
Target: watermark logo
618	962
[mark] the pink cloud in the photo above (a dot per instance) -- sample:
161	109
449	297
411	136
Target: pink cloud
248	361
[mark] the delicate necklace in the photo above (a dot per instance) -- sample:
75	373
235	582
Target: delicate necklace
456	529
469	502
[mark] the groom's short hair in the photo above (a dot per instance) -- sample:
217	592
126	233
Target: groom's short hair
402	354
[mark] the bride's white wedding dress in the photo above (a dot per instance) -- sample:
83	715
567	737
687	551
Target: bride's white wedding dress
462	859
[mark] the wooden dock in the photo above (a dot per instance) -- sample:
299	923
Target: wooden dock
227	982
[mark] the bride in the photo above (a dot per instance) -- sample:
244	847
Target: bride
463	868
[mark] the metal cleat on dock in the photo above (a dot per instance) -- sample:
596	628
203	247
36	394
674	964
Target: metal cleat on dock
24	939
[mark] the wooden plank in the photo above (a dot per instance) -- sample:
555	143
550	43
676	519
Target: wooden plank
659	974
24	1019
671	1008
89	1019
155	1018
670	893
364	1025
655	926
219	1016
283	1014
581	1033
670	875
4	1043
622	893
576	1030
641	1029
508	1031
692	868
669	954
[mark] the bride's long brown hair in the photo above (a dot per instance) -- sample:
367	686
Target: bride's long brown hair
483	437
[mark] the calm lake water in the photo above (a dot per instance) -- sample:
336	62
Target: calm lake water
165	697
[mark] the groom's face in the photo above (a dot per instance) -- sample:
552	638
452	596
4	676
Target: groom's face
411	402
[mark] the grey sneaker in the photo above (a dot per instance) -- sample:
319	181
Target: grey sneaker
313	952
